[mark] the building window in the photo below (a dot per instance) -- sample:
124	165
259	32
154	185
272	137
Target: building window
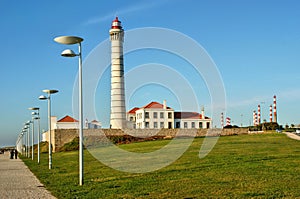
170	115
131	119
200	125
170	125
162	125
147	125
208	125
154	114
155	125
161	114
147	115
185	125
178	125
193	125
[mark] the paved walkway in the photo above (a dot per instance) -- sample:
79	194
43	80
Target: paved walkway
292	135
18	182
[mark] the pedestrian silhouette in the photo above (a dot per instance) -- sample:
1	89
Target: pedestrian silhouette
12	154
16	154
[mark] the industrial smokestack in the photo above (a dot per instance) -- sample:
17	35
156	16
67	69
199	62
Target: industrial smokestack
275	109
271	113
228	121
258	114
254	118
222	119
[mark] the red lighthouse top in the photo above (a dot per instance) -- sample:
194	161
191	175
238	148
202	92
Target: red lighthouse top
116	24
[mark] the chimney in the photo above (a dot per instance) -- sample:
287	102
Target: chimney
165	104
202	112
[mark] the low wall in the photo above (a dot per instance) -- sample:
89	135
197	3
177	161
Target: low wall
63	136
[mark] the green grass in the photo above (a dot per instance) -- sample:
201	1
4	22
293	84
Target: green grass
246	166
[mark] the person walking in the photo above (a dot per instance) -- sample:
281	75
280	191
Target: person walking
16	154
11	154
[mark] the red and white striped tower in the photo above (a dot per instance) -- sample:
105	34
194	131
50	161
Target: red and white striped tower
254	118
222	119
275	110
258	114
271	113
228	121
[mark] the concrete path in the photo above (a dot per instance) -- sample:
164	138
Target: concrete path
18	182
292	135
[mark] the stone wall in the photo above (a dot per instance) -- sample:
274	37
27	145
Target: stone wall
63	136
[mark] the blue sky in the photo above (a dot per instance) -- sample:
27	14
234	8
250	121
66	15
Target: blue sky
255	45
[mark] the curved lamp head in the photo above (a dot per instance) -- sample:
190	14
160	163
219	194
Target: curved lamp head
68	53
34	113
68	40
34	108
43	97
50	91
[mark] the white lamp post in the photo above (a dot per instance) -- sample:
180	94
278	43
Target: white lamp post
19	142
37	113
42	97
26	130
69	40
32	137
22	138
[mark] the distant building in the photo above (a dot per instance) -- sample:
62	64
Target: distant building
93	124
155	116
191	120
66	122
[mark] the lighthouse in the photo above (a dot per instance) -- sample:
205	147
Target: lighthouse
118	110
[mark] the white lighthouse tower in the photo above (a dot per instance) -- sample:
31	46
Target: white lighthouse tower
118	110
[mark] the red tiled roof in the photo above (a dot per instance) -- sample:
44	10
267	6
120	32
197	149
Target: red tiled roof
155	105
188	115
67	119
132	111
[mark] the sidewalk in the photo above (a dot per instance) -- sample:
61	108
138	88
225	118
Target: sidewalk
293	136
18	182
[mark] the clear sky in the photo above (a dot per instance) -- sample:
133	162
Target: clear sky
254	43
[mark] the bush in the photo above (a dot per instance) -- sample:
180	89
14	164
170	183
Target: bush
71	146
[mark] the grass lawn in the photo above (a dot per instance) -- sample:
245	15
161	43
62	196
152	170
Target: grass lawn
245	166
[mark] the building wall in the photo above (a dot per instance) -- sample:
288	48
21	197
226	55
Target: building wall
154	118
188	123
63	136
67	125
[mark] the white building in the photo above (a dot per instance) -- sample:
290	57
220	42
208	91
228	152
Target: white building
66	122
155	115
93	124
191	120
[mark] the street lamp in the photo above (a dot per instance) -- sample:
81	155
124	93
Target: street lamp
37	113
42	97
69	40
19	142
32	137
26	130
